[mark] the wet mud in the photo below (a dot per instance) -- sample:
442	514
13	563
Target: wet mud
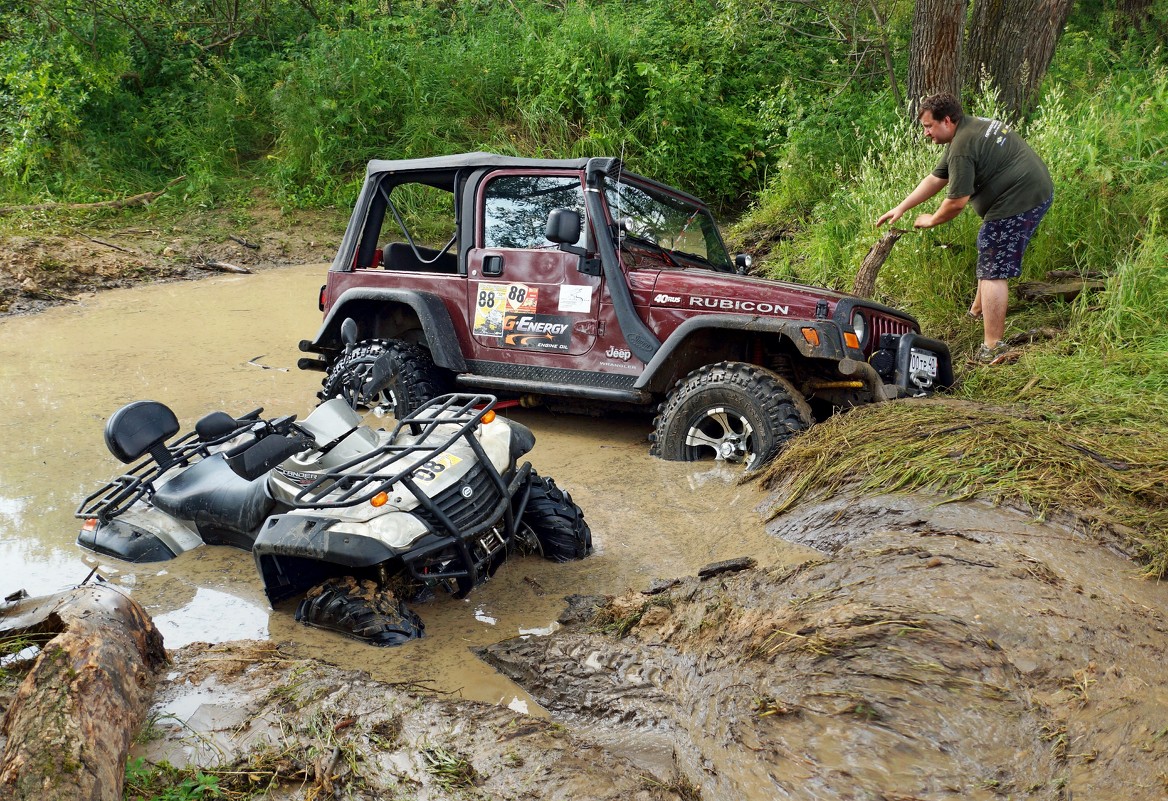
965	653
895	647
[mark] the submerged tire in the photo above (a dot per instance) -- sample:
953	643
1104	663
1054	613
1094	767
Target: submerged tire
361	611
731	412
556	521
411	380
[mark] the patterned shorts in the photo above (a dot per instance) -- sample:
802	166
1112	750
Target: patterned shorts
1001	243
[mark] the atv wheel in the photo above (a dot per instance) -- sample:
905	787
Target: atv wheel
557	523
729	411
359	610
411	380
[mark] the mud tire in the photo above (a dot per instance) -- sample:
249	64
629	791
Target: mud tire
732	411
413	380
344	606
556	521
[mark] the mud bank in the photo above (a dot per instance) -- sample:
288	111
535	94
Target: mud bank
960	652
939	651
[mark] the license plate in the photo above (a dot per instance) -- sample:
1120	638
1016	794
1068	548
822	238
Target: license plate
922	360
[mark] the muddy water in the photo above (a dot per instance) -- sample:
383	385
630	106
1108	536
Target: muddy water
230	343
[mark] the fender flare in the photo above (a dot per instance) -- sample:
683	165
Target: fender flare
830	340
436	322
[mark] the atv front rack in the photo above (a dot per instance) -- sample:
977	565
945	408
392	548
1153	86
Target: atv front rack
363	477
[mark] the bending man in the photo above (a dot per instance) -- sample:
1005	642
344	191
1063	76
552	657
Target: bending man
987	165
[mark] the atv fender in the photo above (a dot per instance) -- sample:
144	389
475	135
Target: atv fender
364	304
295	552
830	345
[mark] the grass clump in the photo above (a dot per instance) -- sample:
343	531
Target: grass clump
1114	479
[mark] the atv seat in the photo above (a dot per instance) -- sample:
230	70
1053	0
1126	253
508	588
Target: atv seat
139	428
225	507
400	256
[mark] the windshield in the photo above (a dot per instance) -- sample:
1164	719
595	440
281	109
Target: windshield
646	214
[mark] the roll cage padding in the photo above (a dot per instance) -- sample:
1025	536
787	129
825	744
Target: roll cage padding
830	344
430	310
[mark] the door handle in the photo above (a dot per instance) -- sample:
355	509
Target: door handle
493	265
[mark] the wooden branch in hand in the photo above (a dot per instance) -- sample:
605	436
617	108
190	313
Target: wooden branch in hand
865	285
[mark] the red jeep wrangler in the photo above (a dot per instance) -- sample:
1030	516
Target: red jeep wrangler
574	280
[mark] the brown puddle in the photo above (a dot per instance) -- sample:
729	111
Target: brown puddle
230	343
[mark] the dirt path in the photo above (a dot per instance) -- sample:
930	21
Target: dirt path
47	260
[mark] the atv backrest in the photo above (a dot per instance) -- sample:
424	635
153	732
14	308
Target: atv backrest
138	428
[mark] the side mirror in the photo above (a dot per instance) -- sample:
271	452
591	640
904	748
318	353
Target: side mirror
742	263
563	227
349	331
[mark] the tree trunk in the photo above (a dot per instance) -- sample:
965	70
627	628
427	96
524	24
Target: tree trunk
935	52
1010	46
70	724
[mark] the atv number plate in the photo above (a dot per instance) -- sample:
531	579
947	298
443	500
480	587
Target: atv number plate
922	360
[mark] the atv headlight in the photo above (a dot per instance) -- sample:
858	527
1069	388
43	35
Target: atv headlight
860	326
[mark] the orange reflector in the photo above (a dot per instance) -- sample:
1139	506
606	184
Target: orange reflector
851	340
811	335
90	524
380	499
489	416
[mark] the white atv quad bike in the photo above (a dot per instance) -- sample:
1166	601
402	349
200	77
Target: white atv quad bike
356	519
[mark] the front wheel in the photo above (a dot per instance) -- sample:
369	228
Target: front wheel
389	374
556	521
729	412
361	610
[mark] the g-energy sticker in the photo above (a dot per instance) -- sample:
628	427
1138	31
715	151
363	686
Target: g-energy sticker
537	332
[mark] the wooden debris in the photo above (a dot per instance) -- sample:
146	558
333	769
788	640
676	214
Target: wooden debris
728	566
1066	291
243	242
222	266
120	203
865	285
71	722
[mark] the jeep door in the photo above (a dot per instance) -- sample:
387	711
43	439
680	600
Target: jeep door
528	302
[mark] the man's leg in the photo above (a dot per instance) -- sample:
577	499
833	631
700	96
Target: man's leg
975	309
995	299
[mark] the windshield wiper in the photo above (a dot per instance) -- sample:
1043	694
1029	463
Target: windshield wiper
649	243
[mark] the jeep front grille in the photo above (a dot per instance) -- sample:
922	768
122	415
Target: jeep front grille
881	324
464	512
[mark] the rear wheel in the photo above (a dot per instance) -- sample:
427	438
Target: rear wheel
729	412
360	610
388	374
556	521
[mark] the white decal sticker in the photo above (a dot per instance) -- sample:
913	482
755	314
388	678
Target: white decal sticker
575	298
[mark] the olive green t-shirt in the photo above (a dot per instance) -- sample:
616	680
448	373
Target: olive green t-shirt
990	163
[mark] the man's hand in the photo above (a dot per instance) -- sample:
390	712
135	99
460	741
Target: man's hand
923	221
890	216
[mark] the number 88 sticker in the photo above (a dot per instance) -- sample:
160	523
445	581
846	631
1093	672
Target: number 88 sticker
430	470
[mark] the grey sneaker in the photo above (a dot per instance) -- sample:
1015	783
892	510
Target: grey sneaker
987	355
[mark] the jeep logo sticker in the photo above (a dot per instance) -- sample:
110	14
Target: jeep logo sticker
624	354
730	304
537	331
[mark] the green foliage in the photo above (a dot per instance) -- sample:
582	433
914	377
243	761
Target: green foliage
164	782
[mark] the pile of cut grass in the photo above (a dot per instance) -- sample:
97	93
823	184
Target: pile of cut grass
1113	479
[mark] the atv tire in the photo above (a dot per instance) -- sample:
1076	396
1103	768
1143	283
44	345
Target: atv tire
730	411
557	523
361	611
411	381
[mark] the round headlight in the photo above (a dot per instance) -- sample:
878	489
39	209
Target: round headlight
860	326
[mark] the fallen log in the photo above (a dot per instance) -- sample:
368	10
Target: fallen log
222	266
1065	291
865	284
70	724
122	202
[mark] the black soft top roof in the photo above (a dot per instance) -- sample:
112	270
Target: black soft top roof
441	172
